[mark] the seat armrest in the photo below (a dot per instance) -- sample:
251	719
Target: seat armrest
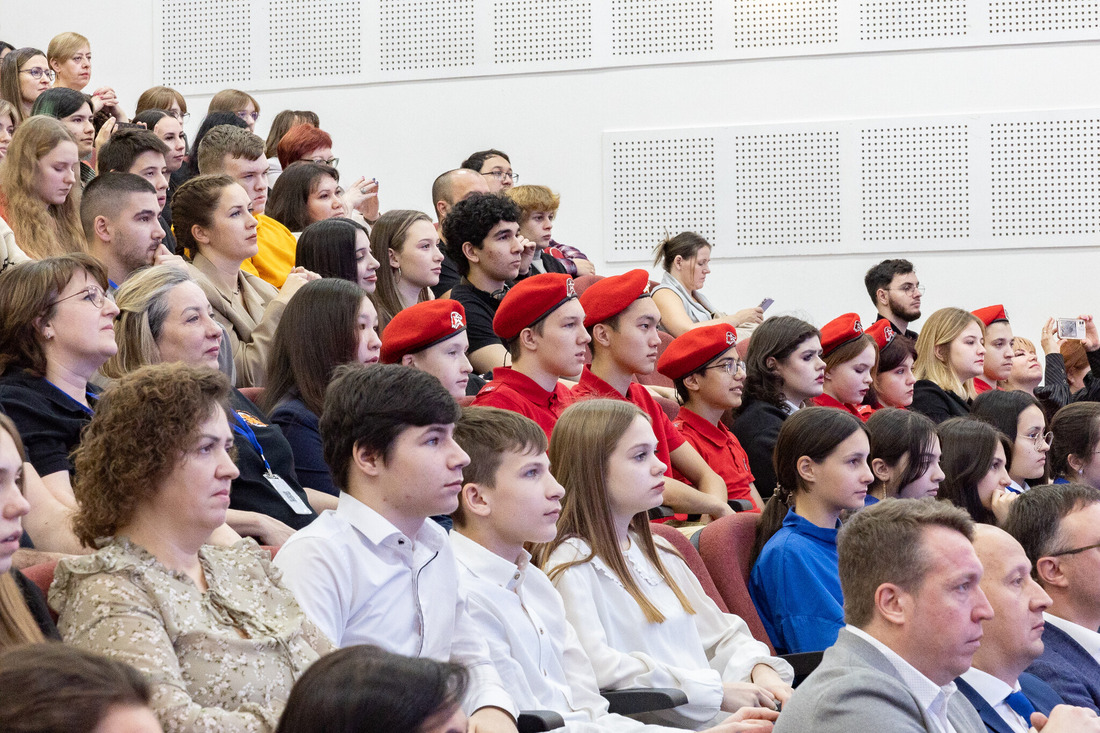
643	699
804	663
741	505
536	721
661	512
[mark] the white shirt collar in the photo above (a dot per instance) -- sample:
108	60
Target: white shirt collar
379	531
792	408
931	697
1016	488
994	691
1086	637
486	564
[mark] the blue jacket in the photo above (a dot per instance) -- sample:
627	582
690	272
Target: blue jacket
795	586
1068	668
1042	697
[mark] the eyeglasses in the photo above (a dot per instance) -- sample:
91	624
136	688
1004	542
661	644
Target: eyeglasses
93	294
729	366
329	162
1040	439
38	72
180	116
909	289
1075	551
246	115
501	175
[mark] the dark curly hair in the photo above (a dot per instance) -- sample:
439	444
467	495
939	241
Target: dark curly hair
776	338
143	425
472	219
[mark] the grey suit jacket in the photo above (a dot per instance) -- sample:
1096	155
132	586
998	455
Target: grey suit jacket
855	688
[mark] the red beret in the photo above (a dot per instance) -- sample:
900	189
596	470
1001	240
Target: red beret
531	300
882	331
991	314
420	326
840	331
612	295
695	348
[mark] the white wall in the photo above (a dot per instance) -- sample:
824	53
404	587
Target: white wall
551	123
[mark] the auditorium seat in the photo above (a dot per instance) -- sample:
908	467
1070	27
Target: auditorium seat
655	378
693	560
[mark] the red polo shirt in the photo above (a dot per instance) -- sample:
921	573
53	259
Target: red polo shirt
668	438
720	449
861	411
980	386
515	391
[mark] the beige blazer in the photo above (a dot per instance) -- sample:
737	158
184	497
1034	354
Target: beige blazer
250	329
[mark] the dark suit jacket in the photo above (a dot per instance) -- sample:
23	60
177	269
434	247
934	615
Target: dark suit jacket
1038	692
936	403
1068	668
855	688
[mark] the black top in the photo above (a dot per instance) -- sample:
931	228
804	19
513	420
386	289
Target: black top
933	401
250	491
549	263
757	429
169	240
49	421
909	333
448	276
480	309
36	603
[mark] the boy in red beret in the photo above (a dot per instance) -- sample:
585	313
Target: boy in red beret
541	323
709	378
622	319
431	336
998	347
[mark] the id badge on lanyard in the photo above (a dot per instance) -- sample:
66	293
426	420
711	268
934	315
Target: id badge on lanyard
282	488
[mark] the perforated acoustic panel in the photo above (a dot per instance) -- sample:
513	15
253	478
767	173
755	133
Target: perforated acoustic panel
660	185
205	45
909	184
315	38
541	30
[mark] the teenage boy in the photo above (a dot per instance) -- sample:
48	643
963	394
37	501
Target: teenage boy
374	571
999	351
431	336
622	320
481	240
239	154
709	378
510	498
144	154
542	324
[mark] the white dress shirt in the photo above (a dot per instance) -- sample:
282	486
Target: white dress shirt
994	691
931	697
693	652
534	647
362	581
1086	637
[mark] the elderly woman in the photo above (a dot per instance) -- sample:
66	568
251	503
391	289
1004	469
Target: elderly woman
221	640
166	318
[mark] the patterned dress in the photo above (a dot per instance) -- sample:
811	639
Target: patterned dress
220	660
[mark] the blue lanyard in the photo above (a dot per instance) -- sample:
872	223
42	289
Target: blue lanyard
245	430
92	397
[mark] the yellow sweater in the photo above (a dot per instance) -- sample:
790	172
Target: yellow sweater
277	246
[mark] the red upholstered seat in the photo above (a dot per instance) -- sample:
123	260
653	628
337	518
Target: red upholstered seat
691	557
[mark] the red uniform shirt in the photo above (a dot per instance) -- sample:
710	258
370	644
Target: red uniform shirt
515	391
980	385
720	449
668	438
861	411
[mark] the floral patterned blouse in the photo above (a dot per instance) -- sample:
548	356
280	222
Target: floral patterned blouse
223	660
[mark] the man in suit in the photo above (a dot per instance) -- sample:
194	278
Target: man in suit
1059	529
914	611
996	684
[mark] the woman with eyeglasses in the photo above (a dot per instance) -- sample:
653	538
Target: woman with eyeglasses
56	330
39	195
242	104
686	262
1020	417
306	143
165	98
24	74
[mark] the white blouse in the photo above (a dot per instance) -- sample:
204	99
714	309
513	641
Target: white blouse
693	652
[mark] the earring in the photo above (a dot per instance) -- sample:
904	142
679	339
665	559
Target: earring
398	273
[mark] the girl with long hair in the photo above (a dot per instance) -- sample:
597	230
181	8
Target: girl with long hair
950	354
1020	417
905	455
821	464
340	248
39	195
783	372
1076	444
641	615
975	467
850	358
407	244
74	110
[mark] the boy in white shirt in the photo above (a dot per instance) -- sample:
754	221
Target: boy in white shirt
510	498
375	570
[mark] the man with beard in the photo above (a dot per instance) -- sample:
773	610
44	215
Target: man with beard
896	293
